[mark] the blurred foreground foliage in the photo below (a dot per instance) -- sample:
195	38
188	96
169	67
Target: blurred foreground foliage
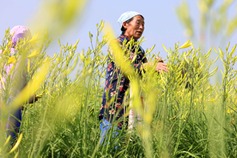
184	113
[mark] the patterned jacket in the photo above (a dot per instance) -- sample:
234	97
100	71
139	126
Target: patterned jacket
116	83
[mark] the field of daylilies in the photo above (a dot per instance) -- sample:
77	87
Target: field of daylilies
190	111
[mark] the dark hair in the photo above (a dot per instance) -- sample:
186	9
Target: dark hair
128	21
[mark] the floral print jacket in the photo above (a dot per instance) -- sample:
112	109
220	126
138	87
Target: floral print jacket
116	83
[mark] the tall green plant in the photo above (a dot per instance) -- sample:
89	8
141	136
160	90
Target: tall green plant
216	24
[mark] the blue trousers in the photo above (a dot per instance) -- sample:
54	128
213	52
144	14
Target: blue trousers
13	124
105	126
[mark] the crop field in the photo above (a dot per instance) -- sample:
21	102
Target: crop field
189	111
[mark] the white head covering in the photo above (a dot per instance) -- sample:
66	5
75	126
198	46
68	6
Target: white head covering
126	16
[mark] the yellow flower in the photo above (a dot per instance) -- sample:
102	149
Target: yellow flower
186	44
11	60
34	39
17	143
82	56
7	141
229	111
33	54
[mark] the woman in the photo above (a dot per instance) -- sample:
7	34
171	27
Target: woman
116	84
14	79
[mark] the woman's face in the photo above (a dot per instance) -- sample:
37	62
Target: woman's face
135	27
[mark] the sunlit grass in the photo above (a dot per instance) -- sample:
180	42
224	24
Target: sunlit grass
183	113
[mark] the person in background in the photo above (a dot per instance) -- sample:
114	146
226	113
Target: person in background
14	79
116	83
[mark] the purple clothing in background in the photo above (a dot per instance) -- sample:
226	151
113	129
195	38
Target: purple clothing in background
18	81
7	69
18	32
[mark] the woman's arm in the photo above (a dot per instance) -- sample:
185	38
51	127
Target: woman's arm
158	66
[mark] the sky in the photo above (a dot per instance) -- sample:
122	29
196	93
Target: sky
162	26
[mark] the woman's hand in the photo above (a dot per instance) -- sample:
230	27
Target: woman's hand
158	65
161	67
